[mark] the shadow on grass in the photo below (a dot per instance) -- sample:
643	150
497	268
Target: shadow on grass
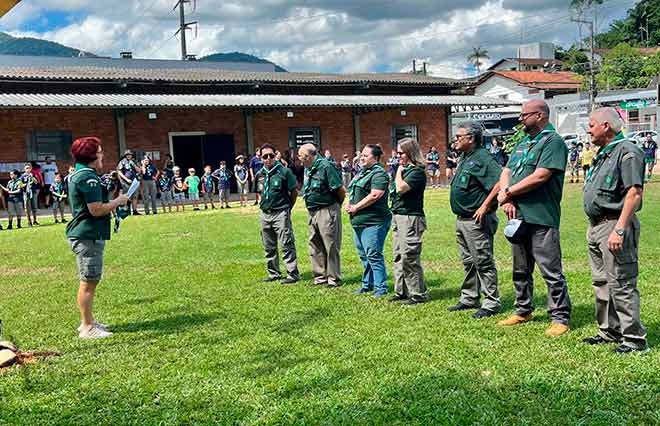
142	301
166	325
301	319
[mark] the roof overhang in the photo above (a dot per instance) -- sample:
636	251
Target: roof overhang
120	101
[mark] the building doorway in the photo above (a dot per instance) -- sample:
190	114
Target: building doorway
197	149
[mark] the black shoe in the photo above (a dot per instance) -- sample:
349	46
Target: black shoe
206	207
461	307
623	350
228	207
256	203
290	280
411	302
271	279
146	213
483	313
155	213
136	213
397	298
212	207
35	223
221	207
9	227
596	340
18	226
65	221
196	209
56	222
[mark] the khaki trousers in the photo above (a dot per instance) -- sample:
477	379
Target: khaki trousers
407	244
475	243
276	226
325	244
614	280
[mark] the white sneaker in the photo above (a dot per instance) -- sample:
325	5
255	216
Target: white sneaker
103	327
94	333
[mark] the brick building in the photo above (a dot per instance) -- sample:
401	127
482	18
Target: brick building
203	115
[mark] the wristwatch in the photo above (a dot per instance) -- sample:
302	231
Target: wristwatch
507	191
619	231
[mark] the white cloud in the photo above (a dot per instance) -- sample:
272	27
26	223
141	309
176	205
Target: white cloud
310	35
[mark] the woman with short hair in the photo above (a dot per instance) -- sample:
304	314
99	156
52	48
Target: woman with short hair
408	224
89	228
371	219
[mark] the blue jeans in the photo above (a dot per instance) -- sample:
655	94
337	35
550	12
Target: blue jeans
369	242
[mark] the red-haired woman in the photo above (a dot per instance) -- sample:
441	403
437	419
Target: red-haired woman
89	228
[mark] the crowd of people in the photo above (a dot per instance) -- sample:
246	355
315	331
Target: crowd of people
380	195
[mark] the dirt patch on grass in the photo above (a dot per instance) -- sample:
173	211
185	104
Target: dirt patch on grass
28	358
9	271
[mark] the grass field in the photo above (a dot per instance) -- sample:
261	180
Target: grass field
200	340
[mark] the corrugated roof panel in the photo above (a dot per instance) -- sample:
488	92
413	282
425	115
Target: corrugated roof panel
9	100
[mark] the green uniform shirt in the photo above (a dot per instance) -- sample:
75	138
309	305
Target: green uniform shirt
279	182
85	188
546	150
475	177
375	177
323	181
612	173
410	203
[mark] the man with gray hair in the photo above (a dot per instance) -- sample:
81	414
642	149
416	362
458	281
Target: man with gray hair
323	192
531	188
612	194
472	198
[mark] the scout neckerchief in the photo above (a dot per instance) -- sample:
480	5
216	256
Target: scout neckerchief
596	162
364	175
311	172
267	175
529	144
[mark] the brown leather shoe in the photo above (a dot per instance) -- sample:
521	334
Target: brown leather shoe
557	329
515	319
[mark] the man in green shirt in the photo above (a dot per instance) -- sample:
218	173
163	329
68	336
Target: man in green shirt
472	198
278	196
613	192
531	188
323	193
371	219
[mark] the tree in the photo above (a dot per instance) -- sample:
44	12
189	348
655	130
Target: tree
640	28
573	59
475	57
624	67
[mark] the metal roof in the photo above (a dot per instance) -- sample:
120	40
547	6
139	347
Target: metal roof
196	74
17	100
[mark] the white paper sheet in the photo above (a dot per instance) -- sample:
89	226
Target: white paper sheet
134	187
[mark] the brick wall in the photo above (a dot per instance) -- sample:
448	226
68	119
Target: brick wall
336	126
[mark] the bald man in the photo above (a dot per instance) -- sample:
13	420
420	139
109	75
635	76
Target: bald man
613	191
323	193
531	189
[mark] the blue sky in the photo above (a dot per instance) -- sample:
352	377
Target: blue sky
311	35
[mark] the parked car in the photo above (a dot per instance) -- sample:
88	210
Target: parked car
640	137
570	138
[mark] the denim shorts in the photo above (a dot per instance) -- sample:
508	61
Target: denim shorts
193	196
89	257
179	196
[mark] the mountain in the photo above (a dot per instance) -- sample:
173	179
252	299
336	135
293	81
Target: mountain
32	46
239	57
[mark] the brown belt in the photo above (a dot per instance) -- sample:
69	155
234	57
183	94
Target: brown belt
595	221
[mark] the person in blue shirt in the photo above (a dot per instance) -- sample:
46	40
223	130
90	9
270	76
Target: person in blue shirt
208	187
256	164
14	190
222	175
165	188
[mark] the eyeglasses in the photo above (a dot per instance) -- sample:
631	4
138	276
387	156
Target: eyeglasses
524	115
400	152
462	136
268	156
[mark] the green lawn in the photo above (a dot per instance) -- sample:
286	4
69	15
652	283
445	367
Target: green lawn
199	339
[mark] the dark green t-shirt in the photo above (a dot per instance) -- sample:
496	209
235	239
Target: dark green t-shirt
475	177
412	202
375	177
323	181
612	173
85	188
279	183
546	150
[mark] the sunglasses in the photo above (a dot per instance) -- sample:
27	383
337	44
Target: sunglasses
400	152
268	156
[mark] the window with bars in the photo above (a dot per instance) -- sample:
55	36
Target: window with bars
299	136
42	144
404	131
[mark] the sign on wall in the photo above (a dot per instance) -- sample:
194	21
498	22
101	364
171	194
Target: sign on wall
486	116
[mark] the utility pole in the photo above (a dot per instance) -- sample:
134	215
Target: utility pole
592	79
183	27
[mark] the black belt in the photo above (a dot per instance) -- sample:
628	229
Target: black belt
595	221
464	217
271	211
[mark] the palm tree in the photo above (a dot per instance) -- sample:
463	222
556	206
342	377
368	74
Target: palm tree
475	57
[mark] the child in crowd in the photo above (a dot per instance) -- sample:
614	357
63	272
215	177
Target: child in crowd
14	191
222	175
65	181
192	183
165	188
58	197
241	173
30	194
179	187
208	187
